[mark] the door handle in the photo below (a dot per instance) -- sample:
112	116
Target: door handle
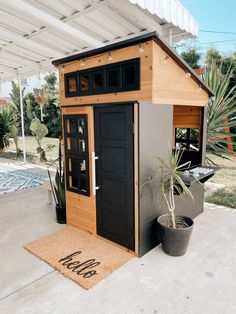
94	158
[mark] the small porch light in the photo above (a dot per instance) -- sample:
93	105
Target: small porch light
164	60
187	74
82	63
109	56
140	48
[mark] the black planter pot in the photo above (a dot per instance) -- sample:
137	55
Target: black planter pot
61	214
174	240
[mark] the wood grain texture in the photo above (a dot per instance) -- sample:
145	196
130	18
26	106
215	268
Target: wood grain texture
187	117
170	84
123	54
81	210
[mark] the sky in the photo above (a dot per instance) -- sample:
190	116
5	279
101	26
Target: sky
218	16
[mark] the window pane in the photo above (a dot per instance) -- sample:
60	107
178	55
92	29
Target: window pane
74	169
76	136
181	134
129	75
194	147
113	77
98	80
77	177
181	146
72	88
82	135
84	82
194	134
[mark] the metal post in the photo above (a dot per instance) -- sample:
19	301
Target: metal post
22	116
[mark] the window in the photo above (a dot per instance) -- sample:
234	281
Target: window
71	85
84	80
98	80
76	148
130	76
187	138
115	77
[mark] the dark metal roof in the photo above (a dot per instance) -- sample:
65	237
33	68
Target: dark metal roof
133	41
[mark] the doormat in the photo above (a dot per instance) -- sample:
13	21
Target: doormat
79	256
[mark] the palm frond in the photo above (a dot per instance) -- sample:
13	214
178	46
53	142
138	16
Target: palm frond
220	110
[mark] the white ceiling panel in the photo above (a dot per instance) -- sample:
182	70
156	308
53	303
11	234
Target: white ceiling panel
34	32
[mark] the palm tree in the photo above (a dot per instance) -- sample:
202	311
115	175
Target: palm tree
221	110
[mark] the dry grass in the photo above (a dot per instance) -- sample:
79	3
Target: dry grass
226	174
31	145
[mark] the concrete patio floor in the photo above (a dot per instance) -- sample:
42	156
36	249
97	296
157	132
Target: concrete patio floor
203	281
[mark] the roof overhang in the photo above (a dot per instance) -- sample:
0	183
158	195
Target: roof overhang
35	32
137	40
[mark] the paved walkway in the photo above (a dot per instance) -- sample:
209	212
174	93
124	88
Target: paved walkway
201	282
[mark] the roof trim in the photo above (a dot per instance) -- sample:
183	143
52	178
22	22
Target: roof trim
130	42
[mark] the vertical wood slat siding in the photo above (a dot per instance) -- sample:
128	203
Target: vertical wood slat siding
80	209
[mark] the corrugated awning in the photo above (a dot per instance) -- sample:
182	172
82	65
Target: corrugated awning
35	32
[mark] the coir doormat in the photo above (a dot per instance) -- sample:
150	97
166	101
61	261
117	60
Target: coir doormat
79	256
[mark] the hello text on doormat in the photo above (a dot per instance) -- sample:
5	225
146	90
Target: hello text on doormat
84	269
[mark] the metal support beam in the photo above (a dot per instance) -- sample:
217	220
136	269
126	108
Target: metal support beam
22	116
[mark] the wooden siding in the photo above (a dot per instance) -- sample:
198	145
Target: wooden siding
123	54
170	84
187	117
80	209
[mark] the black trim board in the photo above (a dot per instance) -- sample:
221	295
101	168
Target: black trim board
136	40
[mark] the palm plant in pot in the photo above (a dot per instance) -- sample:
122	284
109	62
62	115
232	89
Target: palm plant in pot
58	189
175	230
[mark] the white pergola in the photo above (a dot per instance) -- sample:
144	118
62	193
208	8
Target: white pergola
35	32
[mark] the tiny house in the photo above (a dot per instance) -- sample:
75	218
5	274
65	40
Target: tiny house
120	103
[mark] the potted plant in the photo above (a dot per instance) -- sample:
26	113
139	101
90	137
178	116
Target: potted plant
174	230
58	189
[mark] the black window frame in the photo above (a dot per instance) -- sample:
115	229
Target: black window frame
188	140
80	91
76	156
104	70
137	76
110	88
66	82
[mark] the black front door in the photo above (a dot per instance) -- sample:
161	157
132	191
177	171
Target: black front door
114	173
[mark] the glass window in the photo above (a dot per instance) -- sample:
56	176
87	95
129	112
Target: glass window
181	134
84	82
76	149
118	77
113	80
72	84
71	88
98	80
129	75
187	138
77	174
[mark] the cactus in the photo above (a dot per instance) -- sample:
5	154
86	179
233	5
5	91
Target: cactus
39	130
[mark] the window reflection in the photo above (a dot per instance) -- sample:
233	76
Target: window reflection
84	82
